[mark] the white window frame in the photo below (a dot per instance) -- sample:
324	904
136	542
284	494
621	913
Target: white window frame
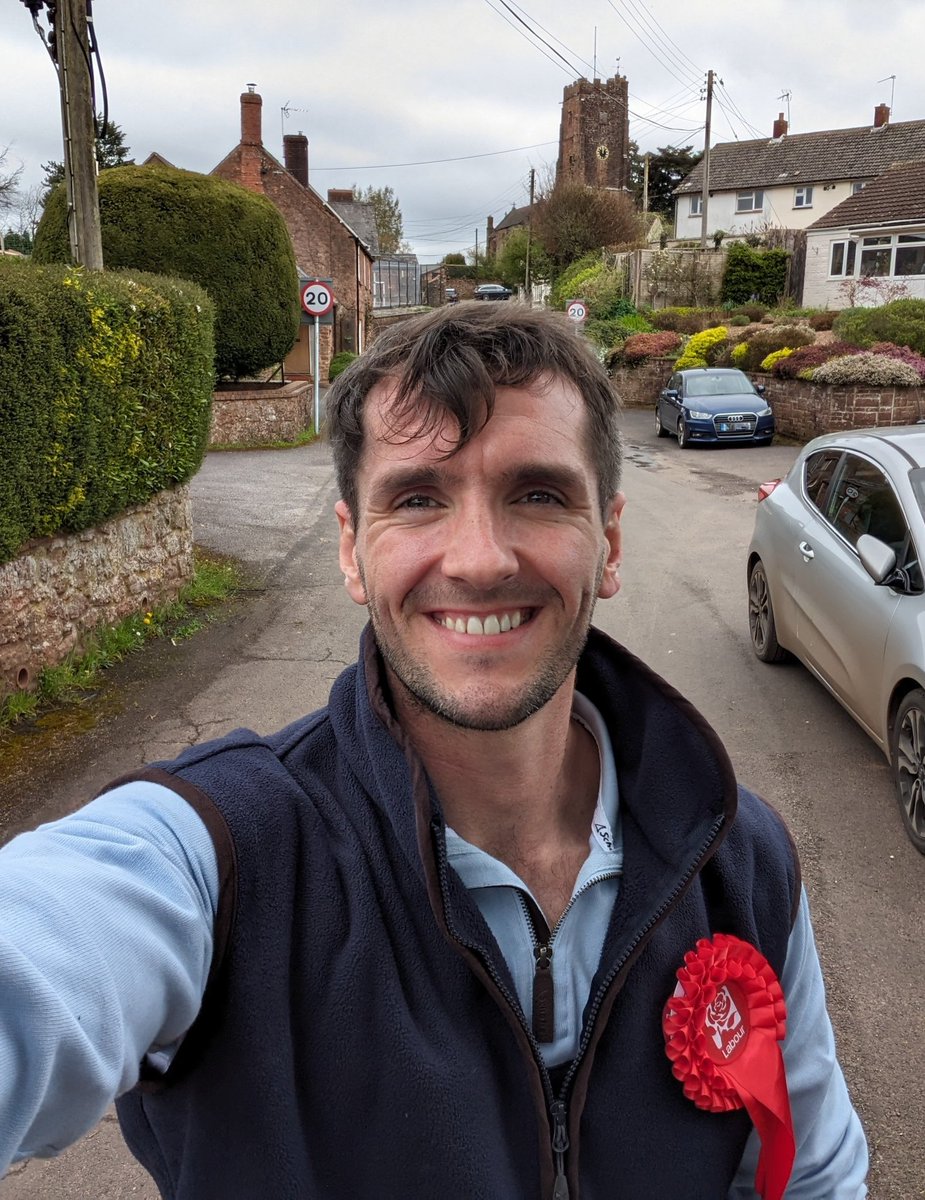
853	251
696	208
750	201
848	258
858	186
803	196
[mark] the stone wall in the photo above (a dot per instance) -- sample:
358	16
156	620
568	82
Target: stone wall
801	410
261	415
59	589
639	387
805	410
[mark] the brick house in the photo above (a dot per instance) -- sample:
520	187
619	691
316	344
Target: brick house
326	244
497	235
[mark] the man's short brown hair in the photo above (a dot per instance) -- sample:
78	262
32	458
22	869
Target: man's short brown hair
450	362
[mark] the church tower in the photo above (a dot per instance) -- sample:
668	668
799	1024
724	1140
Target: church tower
594	134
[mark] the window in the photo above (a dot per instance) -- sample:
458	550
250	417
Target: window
696	205
884	255
752	201
858	186
910	254
876	254
817	475
803	197
842	260
861	500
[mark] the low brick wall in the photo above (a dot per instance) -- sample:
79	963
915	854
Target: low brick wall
260	415
59	589
801	410
805	410
639	387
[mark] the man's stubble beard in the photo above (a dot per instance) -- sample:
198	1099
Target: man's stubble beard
485	712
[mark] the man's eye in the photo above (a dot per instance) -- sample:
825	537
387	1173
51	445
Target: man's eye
417	501
539	496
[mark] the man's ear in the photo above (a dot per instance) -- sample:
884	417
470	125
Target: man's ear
348	554
610	579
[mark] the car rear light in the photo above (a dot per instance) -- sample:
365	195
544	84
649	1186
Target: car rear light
766	489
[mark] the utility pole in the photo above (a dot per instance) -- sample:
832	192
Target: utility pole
68	44
645	183
527	288
476	264
705	199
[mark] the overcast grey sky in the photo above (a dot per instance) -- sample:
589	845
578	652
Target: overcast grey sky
451	104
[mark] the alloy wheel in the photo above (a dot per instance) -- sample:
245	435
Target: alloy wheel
761	624
909	765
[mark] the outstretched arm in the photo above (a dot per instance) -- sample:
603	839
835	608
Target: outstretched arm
105	944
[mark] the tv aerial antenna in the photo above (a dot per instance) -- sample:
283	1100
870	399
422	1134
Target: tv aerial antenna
892	79
285	112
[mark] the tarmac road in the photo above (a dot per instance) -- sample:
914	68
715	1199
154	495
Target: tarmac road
274	653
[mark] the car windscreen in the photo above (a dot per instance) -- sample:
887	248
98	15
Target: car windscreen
717	385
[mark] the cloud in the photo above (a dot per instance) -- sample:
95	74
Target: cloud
382	84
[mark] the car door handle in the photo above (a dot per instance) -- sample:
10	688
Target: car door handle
806	550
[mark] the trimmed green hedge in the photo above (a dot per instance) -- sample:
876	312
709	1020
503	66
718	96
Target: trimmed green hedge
753	275
105	396
901	322
225	238
339	363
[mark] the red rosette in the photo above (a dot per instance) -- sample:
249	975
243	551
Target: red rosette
723	1028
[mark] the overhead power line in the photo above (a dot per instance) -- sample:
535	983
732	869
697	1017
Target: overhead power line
428	162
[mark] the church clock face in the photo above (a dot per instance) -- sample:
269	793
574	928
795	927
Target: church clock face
602	153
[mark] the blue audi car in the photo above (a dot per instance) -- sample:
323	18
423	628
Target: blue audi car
715	405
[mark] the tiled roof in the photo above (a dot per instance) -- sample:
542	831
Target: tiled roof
361	218
897	196
517	216
861	153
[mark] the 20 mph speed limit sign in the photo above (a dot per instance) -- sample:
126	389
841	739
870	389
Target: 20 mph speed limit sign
317	298
577	310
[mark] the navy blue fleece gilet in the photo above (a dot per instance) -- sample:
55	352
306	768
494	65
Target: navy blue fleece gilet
360	1035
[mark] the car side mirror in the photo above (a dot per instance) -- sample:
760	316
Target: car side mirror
759	388
670	393
877	558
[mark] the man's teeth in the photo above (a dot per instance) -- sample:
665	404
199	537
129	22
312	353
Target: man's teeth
489	625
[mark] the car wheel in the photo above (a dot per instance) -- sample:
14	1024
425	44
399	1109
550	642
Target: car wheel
683	439
660	430
761	617
907	759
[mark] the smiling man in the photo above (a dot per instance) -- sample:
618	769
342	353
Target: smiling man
497	922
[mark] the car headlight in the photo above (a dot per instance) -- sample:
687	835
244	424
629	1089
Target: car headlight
764	412
699	416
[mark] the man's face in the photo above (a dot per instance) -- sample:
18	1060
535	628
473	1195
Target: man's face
481	570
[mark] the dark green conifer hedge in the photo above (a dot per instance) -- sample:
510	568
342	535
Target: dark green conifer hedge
231	241
105	394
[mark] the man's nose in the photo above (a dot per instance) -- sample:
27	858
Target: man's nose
479	548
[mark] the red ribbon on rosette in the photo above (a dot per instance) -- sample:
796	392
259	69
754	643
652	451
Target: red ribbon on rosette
723	1027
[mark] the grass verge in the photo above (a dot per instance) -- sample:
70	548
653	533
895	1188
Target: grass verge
214	580
304	438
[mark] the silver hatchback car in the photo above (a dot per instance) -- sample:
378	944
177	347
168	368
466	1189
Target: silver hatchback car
835	577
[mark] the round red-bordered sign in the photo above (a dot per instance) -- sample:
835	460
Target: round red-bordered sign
317	298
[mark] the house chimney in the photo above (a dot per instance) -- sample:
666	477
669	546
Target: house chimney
251	105
881	115
780	127
340	196
295	156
